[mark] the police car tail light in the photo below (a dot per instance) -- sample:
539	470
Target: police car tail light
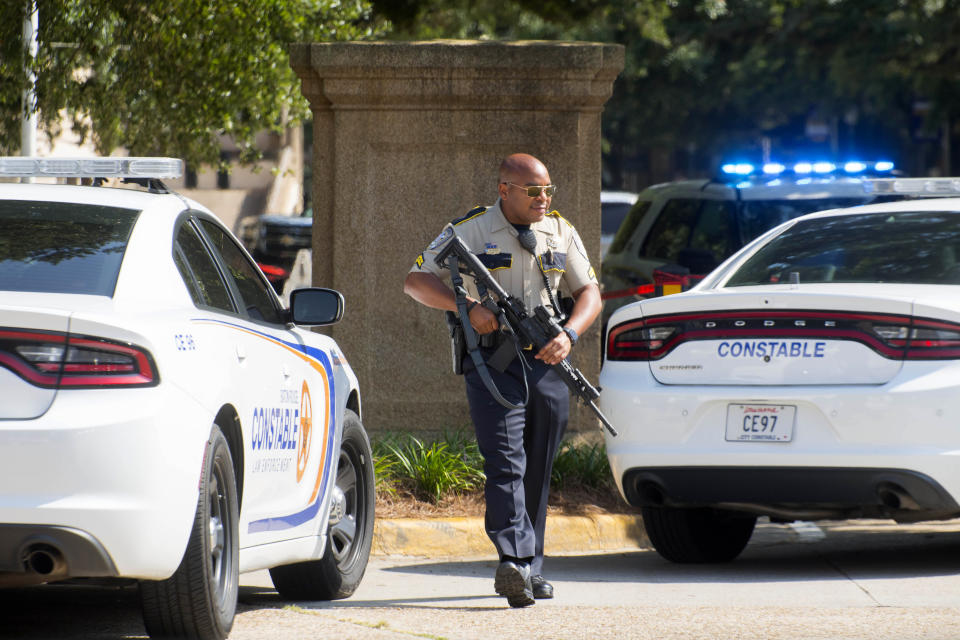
641	290
929	339
784	333
638	341
55	360
892	334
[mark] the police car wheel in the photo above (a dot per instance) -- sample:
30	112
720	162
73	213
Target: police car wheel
200	599
690	536
338	573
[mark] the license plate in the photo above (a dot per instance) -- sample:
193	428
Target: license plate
760	422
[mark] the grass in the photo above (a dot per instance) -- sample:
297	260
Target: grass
452	464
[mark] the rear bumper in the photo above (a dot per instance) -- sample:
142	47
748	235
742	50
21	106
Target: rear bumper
110	478
794	492
849	442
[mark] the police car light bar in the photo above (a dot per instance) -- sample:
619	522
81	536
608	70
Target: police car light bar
804	168
133	167
914	186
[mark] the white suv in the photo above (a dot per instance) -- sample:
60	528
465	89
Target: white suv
678	232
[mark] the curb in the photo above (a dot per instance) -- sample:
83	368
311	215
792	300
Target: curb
465	537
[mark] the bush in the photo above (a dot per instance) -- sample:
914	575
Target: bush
583	465
453	464
428	471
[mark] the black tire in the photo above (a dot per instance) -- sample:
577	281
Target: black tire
689	536
200	599
338	573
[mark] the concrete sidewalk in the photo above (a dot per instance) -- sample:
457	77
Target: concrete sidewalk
466	537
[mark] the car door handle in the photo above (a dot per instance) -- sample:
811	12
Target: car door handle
241	353
285	371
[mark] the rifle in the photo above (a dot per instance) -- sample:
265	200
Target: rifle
536	330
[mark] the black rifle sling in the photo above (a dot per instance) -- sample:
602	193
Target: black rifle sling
473	344
546	285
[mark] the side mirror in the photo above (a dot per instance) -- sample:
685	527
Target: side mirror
314	306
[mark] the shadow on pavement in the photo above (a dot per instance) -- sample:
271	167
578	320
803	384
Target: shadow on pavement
773	555
69	611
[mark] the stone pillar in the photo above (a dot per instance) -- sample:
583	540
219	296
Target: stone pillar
408	136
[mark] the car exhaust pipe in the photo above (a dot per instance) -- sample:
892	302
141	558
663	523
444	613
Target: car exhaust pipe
896	498
44	560
652	494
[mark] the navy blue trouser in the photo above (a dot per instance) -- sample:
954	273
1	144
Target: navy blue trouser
518	447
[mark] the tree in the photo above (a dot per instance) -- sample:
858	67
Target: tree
724	75
167	78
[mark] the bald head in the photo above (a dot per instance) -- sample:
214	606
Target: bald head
519	165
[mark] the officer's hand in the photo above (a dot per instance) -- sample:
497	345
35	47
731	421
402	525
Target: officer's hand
556	350
483	320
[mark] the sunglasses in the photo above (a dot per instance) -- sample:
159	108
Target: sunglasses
535	191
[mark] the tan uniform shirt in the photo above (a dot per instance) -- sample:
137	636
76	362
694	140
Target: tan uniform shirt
494	240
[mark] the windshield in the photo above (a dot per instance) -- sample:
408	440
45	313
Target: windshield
58	247
759	216
916	247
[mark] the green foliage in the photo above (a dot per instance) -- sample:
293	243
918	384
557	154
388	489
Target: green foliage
484	19
167	78
429	471
581	466
719	75
172	78
454	464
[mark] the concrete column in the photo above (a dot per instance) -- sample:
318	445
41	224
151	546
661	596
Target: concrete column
408	136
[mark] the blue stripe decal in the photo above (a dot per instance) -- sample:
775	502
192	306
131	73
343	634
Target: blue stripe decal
279	523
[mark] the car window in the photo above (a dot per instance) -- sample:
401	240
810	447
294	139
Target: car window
671	231
199	271
759	216
258	302
902	247
628	226
712	238
58	247
611	215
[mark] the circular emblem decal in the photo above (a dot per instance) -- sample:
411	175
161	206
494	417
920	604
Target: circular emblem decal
306	426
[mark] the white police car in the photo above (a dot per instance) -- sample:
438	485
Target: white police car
677	232
814	375
164	418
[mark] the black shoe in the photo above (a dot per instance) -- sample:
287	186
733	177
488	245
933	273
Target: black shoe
513	582
542	590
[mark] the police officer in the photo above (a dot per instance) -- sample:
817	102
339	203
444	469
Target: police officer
518	445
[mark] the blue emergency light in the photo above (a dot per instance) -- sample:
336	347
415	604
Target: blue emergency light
807	168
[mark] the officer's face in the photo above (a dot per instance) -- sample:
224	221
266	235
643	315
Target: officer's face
520	208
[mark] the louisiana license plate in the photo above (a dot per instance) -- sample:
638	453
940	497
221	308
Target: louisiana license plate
760	422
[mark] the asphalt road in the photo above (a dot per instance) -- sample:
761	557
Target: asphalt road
830	580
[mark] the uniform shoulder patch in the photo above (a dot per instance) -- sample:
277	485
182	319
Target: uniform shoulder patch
556	214
473	213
